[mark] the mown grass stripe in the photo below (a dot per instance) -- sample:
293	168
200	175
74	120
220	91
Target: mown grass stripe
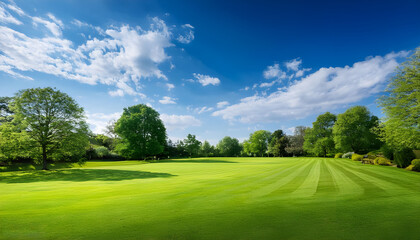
309	186
326	183
345	185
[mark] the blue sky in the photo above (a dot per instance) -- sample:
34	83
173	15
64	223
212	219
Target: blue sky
210	68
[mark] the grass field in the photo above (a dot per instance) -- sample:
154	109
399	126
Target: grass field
216	198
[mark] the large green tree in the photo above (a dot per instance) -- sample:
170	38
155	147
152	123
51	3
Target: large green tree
50	122
257	143
229	147
401	105
354	130
141	131
319	139
206	149
278	143
5	111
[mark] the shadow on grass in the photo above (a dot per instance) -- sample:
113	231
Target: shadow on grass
196	161
79	175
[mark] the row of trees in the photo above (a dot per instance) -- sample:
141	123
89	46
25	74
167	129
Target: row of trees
44	124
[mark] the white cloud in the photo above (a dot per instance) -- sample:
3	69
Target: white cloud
170	86
274	72
203	110
54	27
188	34
206	79
174	122
121	58
99	121
293	64
222	104
6	17
167	100
323	90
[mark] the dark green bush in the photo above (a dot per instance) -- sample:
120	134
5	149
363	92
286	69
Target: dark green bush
338	155
356	157
387	152
403	158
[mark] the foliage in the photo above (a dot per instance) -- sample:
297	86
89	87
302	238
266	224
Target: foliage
142	132
278	144
206	149
353	130
338	155
416	165
356	157
257	143
382	161
401	106
6	114
101	152
51	123
229	147
319	139
403	157
295	146
387	151
192	145
105	141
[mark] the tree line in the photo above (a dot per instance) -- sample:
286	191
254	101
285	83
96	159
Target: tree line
45	124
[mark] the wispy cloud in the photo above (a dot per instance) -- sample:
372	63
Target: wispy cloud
188	34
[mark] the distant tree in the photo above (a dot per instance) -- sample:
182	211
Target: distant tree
206	149
319	139
229	147
105	141
278	144
258	142
141	131
192	145
52	124
354	131
295	145
401	106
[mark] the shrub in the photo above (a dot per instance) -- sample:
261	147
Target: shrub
387	152
382	161
101	152
416	165
356	157
403	158
347	155
338	155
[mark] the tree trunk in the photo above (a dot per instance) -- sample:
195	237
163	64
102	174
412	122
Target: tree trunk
44	158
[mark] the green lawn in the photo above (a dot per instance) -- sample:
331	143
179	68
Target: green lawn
217	198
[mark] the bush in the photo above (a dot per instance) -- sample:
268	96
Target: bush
416	165
347	155
338	155
101	152
387	152
403	158
382	161
356	157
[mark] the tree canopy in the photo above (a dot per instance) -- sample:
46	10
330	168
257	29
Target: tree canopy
229	147
278	143
319	139
47	124
142	132
354	130
295	145
257	143
192	145
401	128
